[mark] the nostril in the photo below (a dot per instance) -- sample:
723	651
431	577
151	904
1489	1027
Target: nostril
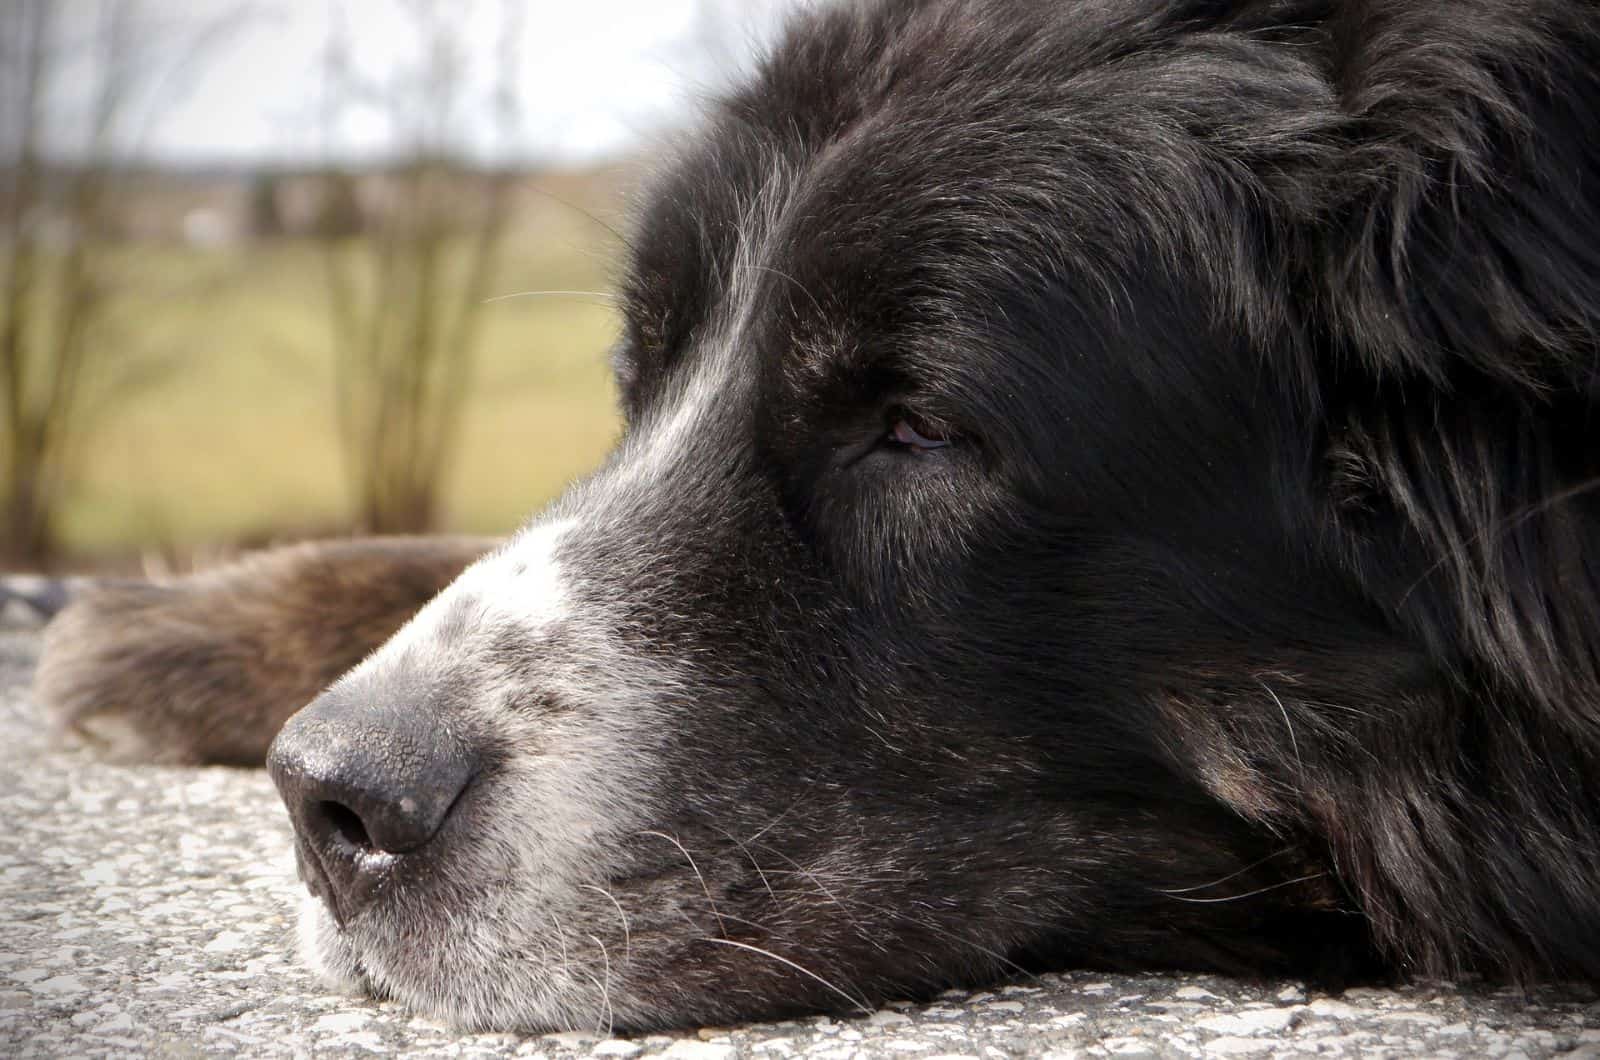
347	825
362	779
368	782
354	820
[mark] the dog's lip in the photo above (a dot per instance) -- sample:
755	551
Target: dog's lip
373	867
309	868
376	870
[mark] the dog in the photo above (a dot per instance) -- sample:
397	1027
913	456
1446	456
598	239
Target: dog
1107	483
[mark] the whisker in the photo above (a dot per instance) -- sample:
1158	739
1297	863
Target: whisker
609	1013
1500	528
604	297
754	863
584	212
785	276
765	929
1294	743
561	937
1225	879
845	905
816	882
767	827
929	924
627	935
698	875
1249	894
859	1003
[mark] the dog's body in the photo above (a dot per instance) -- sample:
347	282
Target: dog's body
1106	482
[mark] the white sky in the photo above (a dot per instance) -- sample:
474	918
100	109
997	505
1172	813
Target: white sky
595	75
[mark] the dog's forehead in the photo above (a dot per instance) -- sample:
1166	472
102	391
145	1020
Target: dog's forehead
952	207
875	139
720	192
809	256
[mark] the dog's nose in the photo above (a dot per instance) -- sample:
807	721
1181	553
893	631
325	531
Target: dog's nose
366	786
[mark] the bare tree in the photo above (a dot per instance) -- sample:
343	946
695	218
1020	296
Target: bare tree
69	77
406	300
24	35
53	294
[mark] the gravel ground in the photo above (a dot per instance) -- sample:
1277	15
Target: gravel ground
147	911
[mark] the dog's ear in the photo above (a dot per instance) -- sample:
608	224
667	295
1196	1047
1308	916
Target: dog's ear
1456	293
1466	202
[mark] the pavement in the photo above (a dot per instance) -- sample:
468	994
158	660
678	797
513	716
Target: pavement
148	912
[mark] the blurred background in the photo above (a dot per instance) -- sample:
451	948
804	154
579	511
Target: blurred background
285	268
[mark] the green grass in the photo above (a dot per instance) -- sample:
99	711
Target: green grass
235	439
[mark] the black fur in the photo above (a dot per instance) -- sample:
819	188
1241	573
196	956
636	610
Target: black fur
1267	333
1249	619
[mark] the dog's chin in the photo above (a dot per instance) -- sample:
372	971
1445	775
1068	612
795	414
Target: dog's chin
327	951
356	962
441	976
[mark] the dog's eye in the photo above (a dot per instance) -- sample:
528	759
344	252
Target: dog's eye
916	434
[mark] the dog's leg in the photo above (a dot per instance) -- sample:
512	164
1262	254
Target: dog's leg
208	667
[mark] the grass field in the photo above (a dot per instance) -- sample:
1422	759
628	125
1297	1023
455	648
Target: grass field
234	439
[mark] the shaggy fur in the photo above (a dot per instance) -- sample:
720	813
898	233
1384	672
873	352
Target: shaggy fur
1109	482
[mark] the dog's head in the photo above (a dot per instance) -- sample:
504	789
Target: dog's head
1055	436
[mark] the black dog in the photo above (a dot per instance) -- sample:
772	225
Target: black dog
1107	482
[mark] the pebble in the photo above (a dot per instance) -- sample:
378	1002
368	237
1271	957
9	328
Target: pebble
341	1022
1193	993
1231	1046
228	942
1249	1021
691	1049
